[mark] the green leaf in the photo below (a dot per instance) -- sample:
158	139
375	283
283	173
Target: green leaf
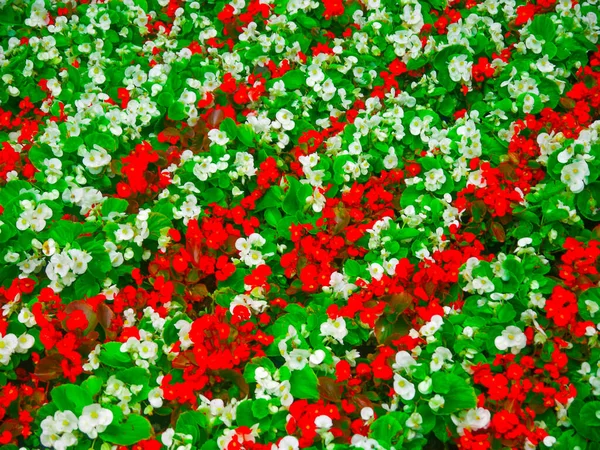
101	139
293	79
589	414
134	429
93	385
506	313
304	384
260	408
134	375
245	134
543	27
165	99
71	145
190	422
244	416
157	222
385	429
229	127
583	428
457	393
177	111
112	356
69	397
112	204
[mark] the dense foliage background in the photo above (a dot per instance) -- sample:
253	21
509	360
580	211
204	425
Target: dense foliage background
289	224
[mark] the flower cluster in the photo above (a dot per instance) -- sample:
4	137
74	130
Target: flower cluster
285	225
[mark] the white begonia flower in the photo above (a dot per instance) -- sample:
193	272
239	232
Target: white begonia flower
317	357
287	443
592	307
483	285
534	44
80	260
434	179
65	422
53	170
94	419
285	119
335	329
115	387
297	358
575	175
155	397
26	317
24	343
432	326
391	160
439	357
96	159
315	75
218	137
404	361
323	422
436	402
124	233
511	338
167	437
473	419
367	413
376	271
460	69
403	387
414	421
147	349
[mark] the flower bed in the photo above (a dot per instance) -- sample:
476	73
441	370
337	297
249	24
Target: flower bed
287	224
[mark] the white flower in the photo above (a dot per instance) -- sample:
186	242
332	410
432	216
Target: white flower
483	285
8	344
287	443
94	419
26	317
315	75
286	119
65	422
167	437
404	361
436	402
323	422
218	137
53	170
335	329
403	387
95	159
414	421
147	349
367	413
155	397
24	343
317	357
114	387
460	69
205	168
297	359
391	160
80	260
376	271
439	357
124	233
512	337
434	179
432	326
575	175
